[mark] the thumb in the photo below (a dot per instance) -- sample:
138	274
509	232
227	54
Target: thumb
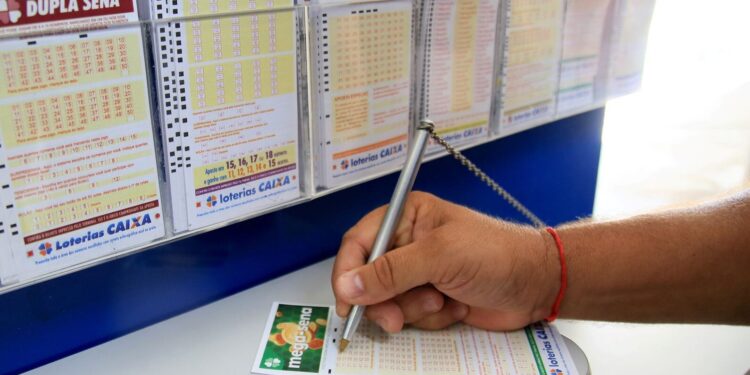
394	273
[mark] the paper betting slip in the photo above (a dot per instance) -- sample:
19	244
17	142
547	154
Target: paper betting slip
582	73
457	68
303	339
230	110
78	170
362	70
531	61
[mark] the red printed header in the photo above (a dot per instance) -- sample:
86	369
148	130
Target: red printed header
14	13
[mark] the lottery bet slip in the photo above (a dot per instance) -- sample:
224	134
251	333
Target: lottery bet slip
628	42
362	91
302	339
78	171
230	108
530	61
457	69
582	69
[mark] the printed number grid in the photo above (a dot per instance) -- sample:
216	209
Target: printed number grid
63	115
359	357
82	61
240	80
369	48
439	353
398	354
203	7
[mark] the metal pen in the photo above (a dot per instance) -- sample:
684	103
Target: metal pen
392	217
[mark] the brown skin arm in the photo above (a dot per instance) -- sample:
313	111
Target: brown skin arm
452	264
689	266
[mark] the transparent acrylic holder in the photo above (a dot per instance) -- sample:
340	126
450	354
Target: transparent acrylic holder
306	152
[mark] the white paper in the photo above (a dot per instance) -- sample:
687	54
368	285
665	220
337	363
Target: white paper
629	40
363	88
460	349
78	149
458	68
531	59
236	127
582	69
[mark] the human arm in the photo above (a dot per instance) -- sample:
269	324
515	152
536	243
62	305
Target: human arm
690	266
452	264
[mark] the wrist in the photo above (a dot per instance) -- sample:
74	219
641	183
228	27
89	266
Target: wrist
548	277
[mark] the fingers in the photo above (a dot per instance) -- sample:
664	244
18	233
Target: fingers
419	303
421	214
387	315
451	313
411	306
392	274
355	249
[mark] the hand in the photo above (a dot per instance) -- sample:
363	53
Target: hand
448	264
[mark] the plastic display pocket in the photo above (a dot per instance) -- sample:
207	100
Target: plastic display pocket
80	178
583	66
456	68
628	41
231	111
361	84
530	61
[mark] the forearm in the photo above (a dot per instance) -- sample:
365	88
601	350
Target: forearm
680	266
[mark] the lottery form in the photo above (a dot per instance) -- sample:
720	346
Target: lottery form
6	257
301	339
231	113
362	68
77	158
581	69
36	16
458	67
628	44
531	58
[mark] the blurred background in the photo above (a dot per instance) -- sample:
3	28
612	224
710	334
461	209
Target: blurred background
682	139
685	136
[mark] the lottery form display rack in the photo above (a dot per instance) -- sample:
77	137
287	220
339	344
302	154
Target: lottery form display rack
139	123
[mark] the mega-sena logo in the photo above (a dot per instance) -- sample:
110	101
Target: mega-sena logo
10	11
125	225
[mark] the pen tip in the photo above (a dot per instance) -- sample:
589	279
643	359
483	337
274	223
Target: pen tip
342	346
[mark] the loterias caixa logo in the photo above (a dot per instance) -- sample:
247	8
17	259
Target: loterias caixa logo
44	249
132	223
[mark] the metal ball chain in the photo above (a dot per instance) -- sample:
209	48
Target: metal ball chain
515	203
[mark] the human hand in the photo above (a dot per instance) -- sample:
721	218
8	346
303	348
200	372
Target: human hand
447	264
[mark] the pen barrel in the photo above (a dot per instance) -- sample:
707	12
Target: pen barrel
400	193
393	213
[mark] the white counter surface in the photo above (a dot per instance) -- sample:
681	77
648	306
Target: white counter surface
223	337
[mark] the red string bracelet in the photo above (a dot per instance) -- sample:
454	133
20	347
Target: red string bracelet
563	276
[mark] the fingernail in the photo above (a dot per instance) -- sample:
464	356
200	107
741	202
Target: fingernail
382	322
342	310
430	305
350	285
460	311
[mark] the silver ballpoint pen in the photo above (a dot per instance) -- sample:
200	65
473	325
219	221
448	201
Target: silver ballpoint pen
392	217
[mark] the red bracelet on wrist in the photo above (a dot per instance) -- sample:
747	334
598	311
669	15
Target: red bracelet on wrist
563	276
